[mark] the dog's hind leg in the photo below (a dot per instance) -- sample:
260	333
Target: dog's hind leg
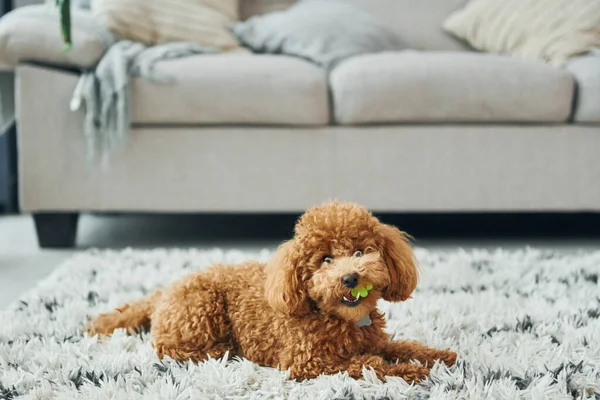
131	316
184	352
301	369
405	351
191	322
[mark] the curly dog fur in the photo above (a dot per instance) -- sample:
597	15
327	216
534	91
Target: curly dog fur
292	312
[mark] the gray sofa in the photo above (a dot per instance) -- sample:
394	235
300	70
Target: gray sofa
438	129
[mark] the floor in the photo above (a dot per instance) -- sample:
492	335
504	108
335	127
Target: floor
22	263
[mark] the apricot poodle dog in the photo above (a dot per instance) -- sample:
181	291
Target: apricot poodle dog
311	309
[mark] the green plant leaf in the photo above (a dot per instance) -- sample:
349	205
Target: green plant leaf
65	22
362	291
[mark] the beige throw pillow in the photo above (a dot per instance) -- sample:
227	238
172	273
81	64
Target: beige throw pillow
160	21
547	30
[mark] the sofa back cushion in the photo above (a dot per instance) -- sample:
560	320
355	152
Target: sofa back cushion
418	22
250	8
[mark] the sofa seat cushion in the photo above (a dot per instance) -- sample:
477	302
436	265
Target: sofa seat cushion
233	89
586	70
418	22
413	86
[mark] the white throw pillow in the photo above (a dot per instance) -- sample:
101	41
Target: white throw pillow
325	32
161	21
546	30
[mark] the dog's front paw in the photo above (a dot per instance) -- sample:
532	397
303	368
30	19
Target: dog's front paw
101	325
448	357
409	372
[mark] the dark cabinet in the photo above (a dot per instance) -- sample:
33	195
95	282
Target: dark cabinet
8	153
8	171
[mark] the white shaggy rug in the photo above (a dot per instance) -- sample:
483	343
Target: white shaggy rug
525	324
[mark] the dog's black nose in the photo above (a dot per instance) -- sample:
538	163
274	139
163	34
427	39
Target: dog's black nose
350	280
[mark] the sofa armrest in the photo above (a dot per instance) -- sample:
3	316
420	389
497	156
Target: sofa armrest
32	34
586	70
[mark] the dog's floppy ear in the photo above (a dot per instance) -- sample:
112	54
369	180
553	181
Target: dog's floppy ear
283	289
400	261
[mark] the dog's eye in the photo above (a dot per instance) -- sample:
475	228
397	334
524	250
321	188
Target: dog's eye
327	259
358	253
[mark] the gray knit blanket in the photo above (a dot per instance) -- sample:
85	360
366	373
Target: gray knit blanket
105	92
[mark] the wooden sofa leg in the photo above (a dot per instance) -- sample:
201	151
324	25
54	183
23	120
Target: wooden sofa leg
56	230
